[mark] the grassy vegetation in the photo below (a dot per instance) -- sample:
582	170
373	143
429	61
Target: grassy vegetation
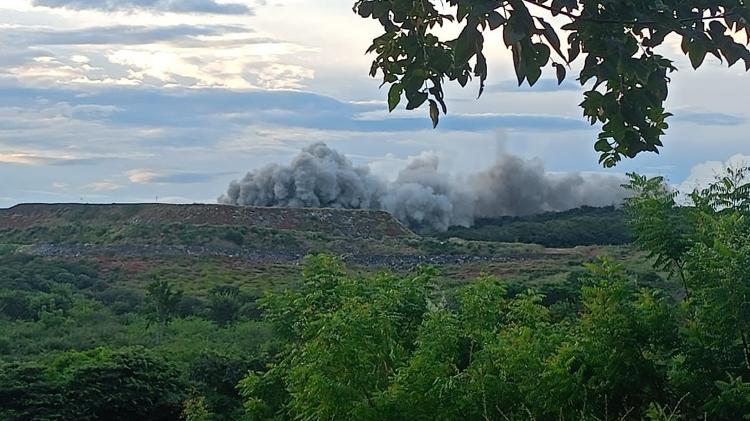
55	310
156	234
91	314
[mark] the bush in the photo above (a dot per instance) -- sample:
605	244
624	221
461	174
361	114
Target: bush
102	384
224	304
216	375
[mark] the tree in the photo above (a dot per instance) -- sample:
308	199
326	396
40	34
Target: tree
659	225
121	384
163	303
390	348
708	241
99	384
224	304
398	348
617	40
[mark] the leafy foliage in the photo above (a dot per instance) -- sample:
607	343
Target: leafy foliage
224	304
617	41
100	384
390	347
163	302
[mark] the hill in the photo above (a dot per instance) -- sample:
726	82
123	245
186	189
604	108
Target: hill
79	283
583	226
339	222
257	249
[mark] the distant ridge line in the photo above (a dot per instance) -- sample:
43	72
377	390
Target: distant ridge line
340	222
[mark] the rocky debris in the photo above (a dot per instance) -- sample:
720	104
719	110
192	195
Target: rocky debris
260	256
138	250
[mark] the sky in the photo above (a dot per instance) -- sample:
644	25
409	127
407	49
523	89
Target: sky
169	100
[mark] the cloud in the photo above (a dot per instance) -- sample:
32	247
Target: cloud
710	118
105	185
706	172
542	86
468	122
159	55
142	176
47	158
173	6
113	35
146	176
21	159
177	142
280	76
140	119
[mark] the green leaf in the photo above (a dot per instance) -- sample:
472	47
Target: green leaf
533	74
574	51
481	70
434	113
513	32
416	100
561	72
602	145
551	36
394	96
380	9
542	54
697	52
518	63
495	20
365	9
466	46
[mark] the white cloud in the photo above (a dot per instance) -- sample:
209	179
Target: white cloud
706	172
80	59
143	176
20	158
284	76
104	185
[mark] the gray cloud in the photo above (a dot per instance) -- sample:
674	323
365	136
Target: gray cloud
422	196
204	109
114	35
175	6
542	85
710	118
82	161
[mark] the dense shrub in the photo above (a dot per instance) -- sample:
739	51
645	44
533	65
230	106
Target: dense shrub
601	345
102	384
216	375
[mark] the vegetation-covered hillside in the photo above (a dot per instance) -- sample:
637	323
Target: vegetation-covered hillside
146	311
112	321
577	227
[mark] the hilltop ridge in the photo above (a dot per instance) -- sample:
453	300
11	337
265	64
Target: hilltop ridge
352	223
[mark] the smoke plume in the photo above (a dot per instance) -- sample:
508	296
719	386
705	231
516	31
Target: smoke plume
422	196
